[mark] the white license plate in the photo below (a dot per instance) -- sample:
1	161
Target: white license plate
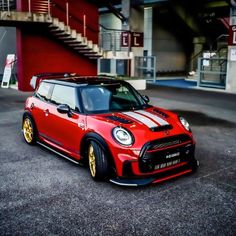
167	164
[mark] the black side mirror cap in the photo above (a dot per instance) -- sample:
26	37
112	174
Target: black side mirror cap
64	109
146	98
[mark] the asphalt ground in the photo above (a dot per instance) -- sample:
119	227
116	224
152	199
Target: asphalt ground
43	194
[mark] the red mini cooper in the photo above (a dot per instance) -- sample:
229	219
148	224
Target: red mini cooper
108	125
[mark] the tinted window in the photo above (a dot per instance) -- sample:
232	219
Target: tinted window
63	95
96	98
110	97
43	90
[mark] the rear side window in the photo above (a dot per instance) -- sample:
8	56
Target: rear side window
63	95
44	90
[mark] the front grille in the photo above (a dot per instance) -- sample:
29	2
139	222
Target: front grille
165	144
166	152
168	142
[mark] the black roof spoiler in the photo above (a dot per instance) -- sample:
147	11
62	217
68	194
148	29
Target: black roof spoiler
35	80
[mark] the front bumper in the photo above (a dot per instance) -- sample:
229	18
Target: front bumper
159	160
175	172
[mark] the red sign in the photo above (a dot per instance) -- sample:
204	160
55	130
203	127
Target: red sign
125	39
137	39
131	39
232	35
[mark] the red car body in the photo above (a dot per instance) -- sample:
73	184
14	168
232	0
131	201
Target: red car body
161	148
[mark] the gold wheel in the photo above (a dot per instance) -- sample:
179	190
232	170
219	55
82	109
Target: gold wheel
92	160
28	130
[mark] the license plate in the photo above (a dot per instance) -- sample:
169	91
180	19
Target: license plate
167	164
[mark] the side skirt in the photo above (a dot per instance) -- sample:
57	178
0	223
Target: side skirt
60	154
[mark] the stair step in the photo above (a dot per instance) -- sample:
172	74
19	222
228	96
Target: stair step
59	29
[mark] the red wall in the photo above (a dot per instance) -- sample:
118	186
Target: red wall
38	53
77	10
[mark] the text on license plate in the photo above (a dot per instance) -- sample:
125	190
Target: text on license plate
167	164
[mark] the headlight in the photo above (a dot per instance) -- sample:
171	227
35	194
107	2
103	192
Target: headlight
122	136
185	123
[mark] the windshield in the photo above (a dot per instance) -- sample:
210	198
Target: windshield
104	98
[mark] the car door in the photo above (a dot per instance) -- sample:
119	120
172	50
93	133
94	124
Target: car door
66	130
40	106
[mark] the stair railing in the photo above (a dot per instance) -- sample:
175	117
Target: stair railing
110	39
49	7
7	5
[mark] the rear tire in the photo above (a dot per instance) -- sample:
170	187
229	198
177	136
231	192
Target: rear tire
29	130
98	164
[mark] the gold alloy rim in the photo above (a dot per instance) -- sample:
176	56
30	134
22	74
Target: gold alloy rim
92	164
28	130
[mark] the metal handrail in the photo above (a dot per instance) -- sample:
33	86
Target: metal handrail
110	39
33	7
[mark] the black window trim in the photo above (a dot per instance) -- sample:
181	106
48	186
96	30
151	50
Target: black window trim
77	109
37	95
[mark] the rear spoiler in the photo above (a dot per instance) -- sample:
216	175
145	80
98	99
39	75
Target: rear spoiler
36	79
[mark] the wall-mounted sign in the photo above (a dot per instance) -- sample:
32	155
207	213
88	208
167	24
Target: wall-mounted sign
8	70
131	39
232	35
137	39
125	39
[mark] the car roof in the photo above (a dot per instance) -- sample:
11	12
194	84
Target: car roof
77	81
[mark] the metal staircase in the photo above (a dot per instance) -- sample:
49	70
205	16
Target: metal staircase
59	29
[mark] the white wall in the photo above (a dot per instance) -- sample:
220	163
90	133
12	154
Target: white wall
109	20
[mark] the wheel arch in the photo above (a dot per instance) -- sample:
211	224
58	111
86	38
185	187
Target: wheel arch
92	136
28	114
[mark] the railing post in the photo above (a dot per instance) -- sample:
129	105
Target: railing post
8	6
84	23
67	13
49	8
29	5
113	42
2	5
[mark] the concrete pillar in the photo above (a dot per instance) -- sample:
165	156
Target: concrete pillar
198	43
148	30
134	23
231	65
126	12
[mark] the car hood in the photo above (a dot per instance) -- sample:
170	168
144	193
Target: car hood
149	124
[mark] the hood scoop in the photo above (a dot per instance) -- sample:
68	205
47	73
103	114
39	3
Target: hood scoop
160	113
161	128
119	119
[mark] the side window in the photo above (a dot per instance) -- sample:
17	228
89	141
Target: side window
43	90
64	95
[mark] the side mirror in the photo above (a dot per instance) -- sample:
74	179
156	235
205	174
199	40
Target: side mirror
146	98
64	109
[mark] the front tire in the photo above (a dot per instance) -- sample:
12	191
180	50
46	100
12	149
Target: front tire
29	130
98	164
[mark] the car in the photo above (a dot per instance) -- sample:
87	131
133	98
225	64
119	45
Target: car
110	127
